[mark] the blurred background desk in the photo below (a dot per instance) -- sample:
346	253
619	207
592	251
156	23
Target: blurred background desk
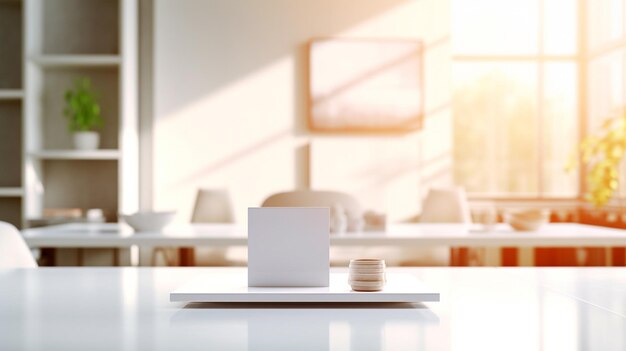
114	235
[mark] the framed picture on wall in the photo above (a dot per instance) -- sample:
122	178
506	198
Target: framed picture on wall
365	85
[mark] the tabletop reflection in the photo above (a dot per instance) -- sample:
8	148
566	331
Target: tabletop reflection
307	326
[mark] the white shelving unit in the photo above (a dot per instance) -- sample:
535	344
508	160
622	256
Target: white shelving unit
65	40
46	45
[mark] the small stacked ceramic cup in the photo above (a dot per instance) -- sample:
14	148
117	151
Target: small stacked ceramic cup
367	274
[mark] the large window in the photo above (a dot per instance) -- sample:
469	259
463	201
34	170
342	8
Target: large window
530	80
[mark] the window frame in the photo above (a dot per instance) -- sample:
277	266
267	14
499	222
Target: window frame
580	58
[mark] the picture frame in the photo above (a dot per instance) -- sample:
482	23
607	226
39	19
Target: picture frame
365	86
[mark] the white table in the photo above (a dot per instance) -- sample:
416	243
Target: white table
119	235
481	309
113	235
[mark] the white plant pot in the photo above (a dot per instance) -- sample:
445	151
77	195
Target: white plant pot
86	140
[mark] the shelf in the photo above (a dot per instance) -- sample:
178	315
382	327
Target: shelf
77	60
11	191
102	154
11	94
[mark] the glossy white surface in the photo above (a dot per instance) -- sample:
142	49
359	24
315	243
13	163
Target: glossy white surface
233	287
119	235
481	309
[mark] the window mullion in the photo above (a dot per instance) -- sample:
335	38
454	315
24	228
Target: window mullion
582	89
540	85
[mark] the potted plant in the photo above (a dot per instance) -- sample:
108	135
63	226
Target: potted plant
83	113
602	154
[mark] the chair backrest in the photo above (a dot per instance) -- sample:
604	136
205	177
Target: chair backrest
13	250
212	206
311	198
446	205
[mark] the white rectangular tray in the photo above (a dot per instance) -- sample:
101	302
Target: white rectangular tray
234	288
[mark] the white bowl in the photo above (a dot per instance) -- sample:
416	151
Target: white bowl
149	221
527	220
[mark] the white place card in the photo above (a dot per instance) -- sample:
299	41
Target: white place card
288	247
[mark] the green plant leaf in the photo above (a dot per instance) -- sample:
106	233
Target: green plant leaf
82	109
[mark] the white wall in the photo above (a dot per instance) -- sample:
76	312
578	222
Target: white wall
229	103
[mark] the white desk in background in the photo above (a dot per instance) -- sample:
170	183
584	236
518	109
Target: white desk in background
114	235
78	308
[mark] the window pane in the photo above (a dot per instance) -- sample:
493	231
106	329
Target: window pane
494	27
605	21
559	26
495	127
559	129
606	87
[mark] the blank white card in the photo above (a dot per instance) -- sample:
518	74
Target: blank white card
288	247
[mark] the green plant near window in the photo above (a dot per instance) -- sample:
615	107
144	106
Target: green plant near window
602	154
82	108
